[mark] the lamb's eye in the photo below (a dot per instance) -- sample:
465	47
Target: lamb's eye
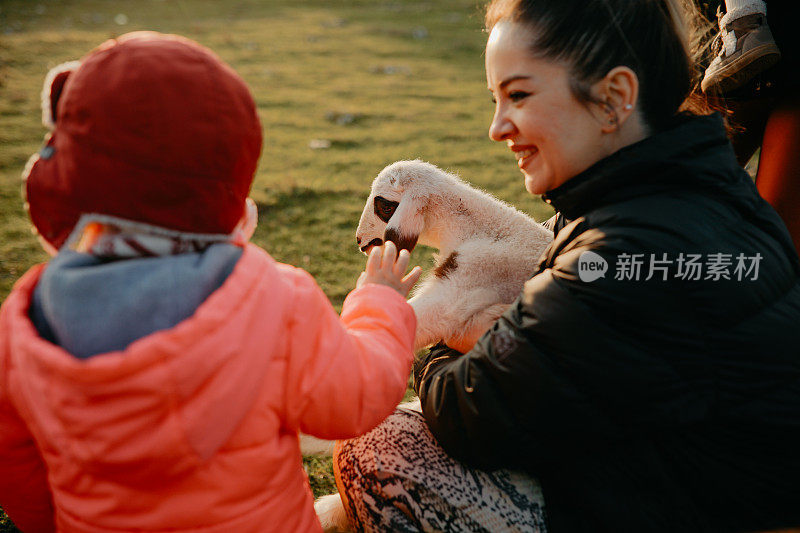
384	209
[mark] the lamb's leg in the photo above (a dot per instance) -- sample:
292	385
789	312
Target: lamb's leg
433	320
313	446
475	327
331	515
446	312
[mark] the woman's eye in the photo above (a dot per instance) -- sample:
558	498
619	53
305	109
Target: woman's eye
516	96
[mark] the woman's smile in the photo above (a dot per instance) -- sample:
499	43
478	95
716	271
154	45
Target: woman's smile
524	154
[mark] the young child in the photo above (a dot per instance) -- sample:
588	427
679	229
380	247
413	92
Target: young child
154	375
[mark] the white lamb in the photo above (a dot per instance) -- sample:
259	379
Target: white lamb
487	248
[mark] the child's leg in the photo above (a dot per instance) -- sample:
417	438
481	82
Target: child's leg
778	178
398	478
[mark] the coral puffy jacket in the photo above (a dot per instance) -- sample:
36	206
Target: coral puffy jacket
195	428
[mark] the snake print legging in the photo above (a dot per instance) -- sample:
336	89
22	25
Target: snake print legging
397	478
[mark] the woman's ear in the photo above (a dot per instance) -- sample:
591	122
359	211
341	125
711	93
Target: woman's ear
619	92
53	87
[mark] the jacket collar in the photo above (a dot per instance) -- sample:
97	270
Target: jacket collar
694	153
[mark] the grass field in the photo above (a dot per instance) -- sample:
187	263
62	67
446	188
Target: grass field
380	80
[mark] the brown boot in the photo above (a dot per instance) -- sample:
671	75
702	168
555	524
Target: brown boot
746	48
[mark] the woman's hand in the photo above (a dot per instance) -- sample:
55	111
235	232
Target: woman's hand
385	267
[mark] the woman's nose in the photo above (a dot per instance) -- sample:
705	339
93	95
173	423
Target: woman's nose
501	126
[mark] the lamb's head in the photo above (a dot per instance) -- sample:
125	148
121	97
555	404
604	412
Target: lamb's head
395	209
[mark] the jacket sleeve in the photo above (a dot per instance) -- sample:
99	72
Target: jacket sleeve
552	374
24	491
345	375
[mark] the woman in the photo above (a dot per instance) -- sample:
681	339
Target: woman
648	377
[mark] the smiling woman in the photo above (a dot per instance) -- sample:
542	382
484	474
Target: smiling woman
539	65
658	391
552	136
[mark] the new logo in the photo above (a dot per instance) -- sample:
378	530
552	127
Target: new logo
591	266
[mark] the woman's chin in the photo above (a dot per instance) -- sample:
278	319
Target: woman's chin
534	184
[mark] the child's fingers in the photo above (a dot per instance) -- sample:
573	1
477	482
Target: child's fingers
402	263
374	260
412	277
389	256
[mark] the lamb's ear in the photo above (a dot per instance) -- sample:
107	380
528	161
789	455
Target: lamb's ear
53	87
406	224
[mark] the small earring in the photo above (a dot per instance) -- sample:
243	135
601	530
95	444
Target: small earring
628	107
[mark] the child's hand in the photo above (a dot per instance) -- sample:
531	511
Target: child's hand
386	268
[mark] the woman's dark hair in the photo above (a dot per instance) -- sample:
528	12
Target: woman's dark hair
651	37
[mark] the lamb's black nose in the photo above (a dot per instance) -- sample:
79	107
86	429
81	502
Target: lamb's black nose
373	242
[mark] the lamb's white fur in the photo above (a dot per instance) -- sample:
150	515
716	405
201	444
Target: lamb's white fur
331	514
496	248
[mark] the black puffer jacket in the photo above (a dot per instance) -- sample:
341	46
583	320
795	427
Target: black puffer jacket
651	405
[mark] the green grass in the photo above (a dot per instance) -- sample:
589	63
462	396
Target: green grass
410	74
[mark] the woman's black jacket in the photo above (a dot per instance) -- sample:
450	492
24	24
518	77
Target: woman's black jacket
658	400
